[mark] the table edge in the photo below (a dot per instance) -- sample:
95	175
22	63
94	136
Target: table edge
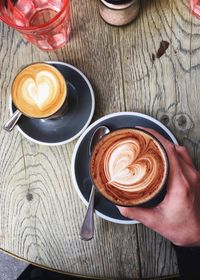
174	276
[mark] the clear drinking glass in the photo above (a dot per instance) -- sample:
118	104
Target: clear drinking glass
195	7
45	23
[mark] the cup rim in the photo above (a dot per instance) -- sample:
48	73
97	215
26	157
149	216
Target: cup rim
166	175
26	66
40	26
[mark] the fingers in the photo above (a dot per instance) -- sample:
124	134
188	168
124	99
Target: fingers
188	170
181	150
177	155
184	154
143	215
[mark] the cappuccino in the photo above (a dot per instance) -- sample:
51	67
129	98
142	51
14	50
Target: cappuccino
129	167
39	90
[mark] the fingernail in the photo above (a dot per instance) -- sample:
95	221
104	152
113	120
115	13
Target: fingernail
119	207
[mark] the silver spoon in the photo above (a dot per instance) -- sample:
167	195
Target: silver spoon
87	229
9	125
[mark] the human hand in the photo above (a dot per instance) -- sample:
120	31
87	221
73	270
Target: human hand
177	217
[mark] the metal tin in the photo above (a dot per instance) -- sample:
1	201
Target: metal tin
119	12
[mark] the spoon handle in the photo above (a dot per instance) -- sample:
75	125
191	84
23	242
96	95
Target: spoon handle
87	229
9	125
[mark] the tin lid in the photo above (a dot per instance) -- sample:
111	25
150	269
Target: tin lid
118	2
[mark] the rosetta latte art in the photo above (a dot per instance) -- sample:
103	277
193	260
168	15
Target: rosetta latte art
128	166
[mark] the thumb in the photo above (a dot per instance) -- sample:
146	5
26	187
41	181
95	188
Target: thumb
144	215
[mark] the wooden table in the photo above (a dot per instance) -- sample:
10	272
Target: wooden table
40	211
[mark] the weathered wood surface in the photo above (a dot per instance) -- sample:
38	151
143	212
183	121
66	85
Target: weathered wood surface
40	212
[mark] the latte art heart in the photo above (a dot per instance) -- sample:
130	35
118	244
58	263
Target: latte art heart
39	94
39	90
128	167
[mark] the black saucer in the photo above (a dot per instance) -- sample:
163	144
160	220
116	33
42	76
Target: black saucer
80	159
68	127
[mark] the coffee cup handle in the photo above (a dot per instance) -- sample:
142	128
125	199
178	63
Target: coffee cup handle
9	125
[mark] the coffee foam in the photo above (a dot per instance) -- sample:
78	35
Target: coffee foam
128	166
39	90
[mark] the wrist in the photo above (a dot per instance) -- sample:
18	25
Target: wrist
191	240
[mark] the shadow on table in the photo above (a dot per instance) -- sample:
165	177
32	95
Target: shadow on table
36	273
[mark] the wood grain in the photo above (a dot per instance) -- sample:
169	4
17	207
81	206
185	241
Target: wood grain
41	213
164	88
